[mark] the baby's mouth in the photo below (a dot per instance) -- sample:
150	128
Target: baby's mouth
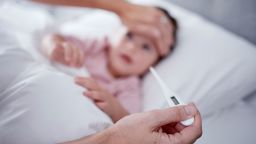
126	58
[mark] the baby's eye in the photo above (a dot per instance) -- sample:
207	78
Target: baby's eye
129	35
146	47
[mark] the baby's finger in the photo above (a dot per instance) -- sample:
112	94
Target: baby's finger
67	52
88	83
77	56
74	55
94	95
80	58
101	104
57	53
94	44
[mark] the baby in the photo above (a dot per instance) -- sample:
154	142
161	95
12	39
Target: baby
115	69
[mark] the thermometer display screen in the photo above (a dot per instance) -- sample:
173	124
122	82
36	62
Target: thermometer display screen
174	100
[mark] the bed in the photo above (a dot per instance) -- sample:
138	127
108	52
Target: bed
210	66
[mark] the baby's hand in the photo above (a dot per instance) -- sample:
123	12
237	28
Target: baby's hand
62	51
103	99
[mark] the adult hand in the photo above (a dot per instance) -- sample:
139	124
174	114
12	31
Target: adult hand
158	126
149	22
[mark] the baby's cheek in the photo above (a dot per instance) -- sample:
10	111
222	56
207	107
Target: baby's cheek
120	44
149	61
141	66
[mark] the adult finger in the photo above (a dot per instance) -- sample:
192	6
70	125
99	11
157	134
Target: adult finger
170	128
152	32
162	22
165	28
179	127
191	133
163	117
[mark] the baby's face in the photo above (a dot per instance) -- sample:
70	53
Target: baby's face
133	55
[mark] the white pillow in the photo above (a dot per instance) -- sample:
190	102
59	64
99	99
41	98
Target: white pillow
209	66
41	106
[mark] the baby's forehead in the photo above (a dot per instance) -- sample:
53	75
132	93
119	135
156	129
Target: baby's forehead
143	40
140	37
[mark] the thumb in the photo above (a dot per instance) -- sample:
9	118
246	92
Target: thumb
172	115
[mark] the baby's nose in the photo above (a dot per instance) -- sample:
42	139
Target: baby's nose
131	47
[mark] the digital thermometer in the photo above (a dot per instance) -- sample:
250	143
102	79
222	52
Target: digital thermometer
171	97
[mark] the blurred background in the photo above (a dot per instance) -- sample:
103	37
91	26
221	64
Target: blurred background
238	16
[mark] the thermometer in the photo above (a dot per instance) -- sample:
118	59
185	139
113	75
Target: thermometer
171	97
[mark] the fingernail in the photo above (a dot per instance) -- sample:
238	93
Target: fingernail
190	109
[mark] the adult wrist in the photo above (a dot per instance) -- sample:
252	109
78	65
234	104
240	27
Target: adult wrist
112	135
104	137
122	8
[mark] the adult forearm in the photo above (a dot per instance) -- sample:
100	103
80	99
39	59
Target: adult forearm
117	6
107	136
